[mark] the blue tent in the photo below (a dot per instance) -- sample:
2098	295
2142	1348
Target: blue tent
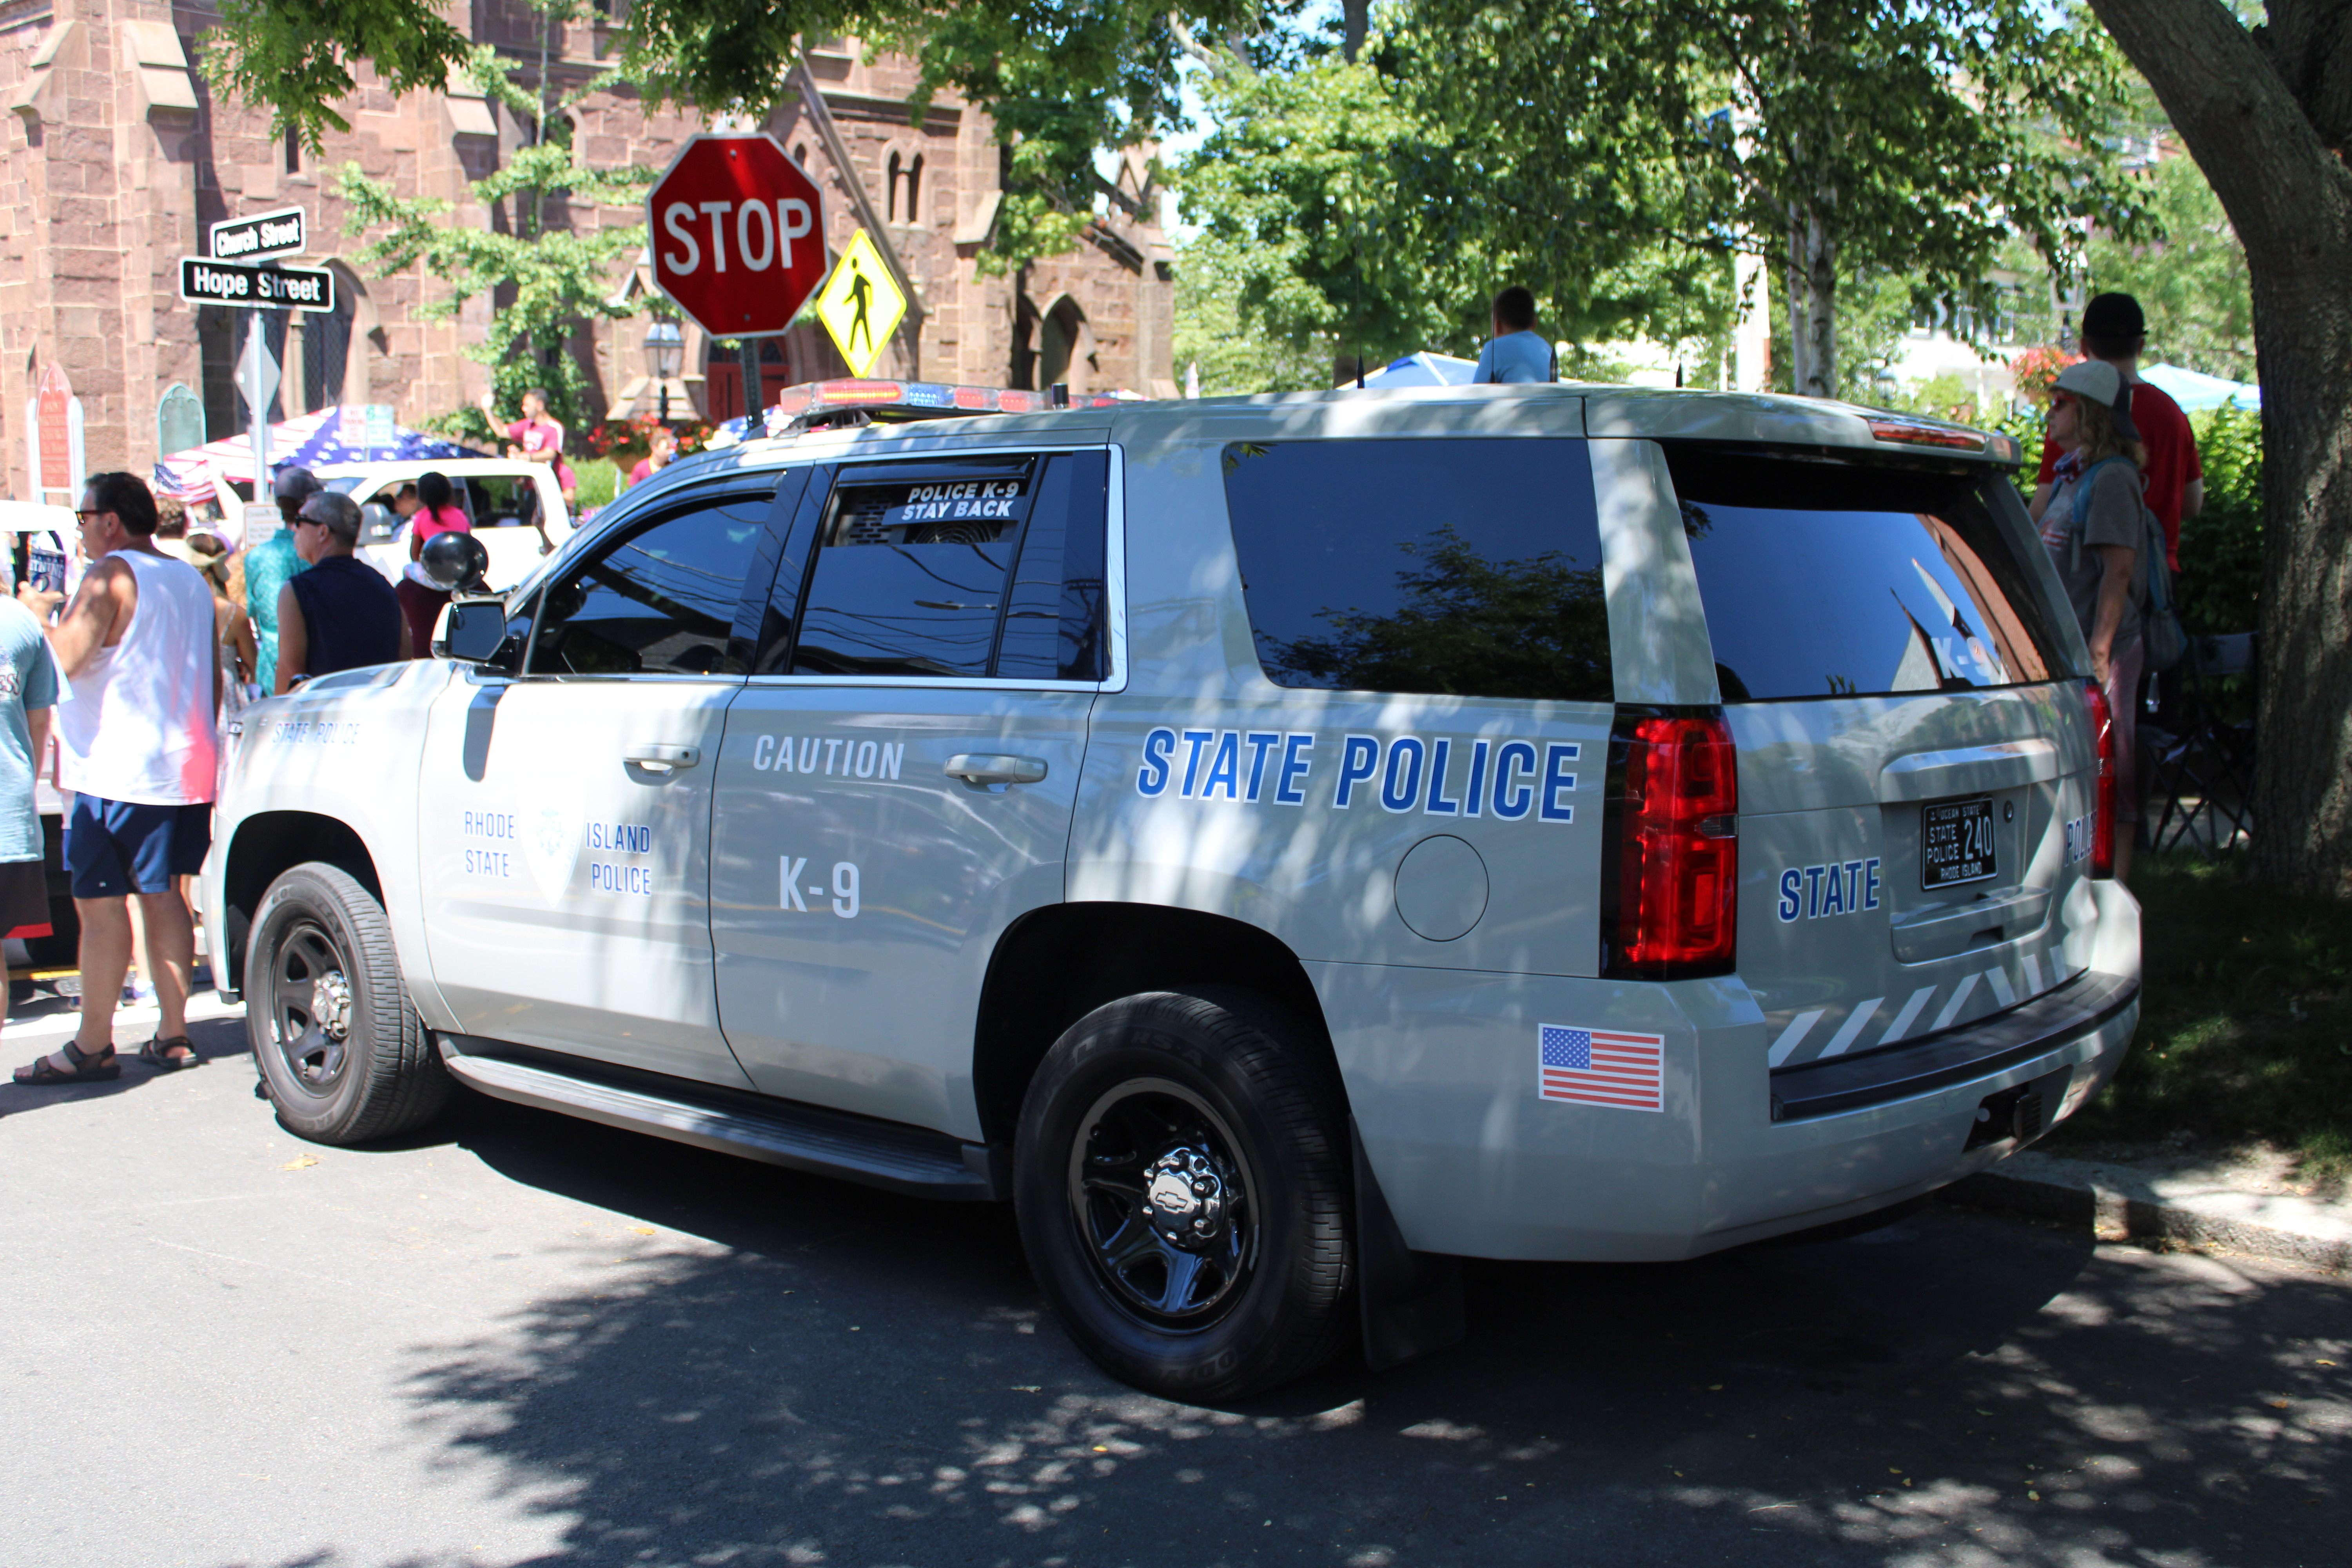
2195	391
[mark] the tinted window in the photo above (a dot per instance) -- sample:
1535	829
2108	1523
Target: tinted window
1465	567
1054	613
960	570
1833	581
657	599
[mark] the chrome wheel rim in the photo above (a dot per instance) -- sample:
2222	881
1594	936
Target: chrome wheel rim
1165	1205
309	1007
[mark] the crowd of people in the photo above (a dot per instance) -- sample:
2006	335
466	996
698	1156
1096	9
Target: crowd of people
164	636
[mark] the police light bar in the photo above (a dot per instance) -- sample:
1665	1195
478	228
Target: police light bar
917	398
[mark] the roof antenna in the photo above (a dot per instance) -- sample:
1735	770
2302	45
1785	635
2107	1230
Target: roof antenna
1359	373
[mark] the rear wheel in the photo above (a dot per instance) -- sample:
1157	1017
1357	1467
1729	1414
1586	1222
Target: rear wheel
1181	1183
342	1051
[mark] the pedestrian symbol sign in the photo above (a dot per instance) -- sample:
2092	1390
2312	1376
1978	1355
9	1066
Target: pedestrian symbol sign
860	304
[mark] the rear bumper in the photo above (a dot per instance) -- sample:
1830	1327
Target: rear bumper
1441	1072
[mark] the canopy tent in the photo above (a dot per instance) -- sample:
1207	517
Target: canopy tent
2195	391
1423	369
314	440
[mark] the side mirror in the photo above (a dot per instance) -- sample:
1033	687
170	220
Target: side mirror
475	631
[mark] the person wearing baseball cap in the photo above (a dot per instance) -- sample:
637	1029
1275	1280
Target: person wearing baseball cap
270	566
2092	525
2115	333
341	614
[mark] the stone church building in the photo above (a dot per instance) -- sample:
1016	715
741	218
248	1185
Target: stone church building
117	155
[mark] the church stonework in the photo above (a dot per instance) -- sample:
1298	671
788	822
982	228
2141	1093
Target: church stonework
117	155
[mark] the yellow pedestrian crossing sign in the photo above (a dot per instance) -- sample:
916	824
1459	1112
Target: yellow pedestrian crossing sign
860	304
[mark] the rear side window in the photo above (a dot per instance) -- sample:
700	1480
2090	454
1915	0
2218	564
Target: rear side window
992	568
1468	568
1834	581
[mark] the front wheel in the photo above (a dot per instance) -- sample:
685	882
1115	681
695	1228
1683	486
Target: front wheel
342	1051
1181	1183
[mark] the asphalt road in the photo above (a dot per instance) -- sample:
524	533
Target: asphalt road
521	1338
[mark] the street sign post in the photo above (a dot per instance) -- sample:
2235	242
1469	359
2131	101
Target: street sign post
204	281
257	377
53	436
737	235
860	304
179	421
280	233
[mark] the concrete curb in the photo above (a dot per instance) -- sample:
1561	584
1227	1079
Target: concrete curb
2193	1207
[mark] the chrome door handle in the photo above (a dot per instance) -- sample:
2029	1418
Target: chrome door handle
989	767
663	758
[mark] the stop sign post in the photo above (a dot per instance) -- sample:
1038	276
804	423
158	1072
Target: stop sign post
738	238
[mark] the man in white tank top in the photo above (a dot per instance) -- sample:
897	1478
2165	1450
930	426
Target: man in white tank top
136	747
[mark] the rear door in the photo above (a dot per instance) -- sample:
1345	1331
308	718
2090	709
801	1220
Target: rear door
1914	765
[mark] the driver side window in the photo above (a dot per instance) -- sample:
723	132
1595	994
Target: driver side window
658	598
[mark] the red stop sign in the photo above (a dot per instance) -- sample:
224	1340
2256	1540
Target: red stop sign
737	234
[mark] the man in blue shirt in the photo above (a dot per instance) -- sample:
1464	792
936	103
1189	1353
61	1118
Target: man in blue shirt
1514	353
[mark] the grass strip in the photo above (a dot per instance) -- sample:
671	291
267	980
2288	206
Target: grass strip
2245	1032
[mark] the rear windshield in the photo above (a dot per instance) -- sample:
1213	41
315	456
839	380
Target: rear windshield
1823	580
1469	567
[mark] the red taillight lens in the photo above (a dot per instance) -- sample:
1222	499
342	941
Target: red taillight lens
1671	867
2103	793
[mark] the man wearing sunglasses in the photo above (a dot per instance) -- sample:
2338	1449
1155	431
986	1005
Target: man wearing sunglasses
135	746
341	614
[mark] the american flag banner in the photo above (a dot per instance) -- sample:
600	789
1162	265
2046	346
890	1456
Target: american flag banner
1601	1067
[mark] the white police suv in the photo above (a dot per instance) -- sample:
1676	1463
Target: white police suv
1281	845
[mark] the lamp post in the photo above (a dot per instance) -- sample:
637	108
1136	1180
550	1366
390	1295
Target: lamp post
665	347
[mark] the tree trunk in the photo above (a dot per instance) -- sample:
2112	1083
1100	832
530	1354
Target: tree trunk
1355	22
1812	303
2289	196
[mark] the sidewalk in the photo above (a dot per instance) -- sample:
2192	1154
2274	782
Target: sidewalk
2248	1206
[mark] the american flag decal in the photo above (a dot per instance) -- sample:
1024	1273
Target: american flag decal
1601	1067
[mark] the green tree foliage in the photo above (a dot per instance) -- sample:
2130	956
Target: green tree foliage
1350	206
1231	358
2220	576
2192	282
1841	137
545	278
1064	79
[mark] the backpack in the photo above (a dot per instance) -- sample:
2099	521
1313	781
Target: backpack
2162	642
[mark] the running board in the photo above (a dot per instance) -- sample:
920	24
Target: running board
821	1142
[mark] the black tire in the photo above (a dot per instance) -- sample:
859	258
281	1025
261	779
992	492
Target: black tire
342	1051
1213	1095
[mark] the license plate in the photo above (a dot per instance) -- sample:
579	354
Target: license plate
1956	843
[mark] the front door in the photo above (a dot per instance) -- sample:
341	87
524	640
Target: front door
898	774
566	823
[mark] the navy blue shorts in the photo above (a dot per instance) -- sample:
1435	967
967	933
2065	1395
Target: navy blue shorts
115	848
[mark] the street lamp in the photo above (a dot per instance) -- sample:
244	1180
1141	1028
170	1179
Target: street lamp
665	346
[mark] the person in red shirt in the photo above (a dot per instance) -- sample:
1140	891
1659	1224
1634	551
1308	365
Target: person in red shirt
537	438
2115	330
661	446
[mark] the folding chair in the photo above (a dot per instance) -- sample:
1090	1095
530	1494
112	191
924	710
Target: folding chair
2200	780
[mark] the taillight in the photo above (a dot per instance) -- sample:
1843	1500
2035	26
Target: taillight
1670	868
2103	793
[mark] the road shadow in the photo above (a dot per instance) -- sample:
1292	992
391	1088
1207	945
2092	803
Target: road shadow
820	1373
222	1042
